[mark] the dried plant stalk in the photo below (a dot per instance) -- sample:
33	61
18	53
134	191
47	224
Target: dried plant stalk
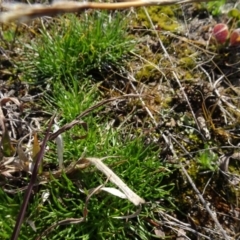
24	12
131	196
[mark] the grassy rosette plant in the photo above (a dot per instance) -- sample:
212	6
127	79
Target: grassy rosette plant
74	46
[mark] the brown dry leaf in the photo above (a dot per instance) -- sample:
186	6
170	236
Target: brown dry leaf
10	99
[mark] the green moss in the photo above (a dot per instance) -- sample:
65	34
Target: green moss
194	138
145	72
148	73
162	17
188	76
234	167
187	62
166	39
193	170
166	102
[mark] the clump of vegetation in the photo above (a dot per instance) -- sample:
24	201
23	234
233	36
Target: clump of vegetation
207	159
215	7
74	46
168	119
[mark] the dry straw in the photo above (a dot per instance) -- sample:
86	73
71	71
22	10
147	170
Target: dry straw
25	12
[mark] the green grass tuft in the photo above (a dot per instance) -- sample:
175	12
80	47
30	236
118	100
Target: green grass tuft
73	46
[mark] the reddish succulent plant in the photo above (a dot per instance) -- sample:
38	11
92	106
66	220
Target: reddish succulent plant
220	32
235	37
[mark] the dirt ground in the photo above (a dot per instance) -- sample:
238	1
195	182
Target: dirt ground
192	107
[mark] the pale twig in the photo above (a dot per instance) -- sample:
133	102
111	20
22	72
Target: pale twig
173	72
171	146
204	203
171	222
131	196
23	12
223	98
143	103
166	138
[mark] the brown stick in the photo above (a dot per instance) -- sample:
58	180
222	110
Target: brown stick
23	12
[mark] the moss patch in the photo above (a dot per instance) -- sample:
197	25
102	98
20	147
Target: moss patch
162	17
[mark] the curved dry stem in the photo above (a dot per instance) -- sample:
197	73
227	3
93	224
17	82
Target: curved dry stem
24	12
